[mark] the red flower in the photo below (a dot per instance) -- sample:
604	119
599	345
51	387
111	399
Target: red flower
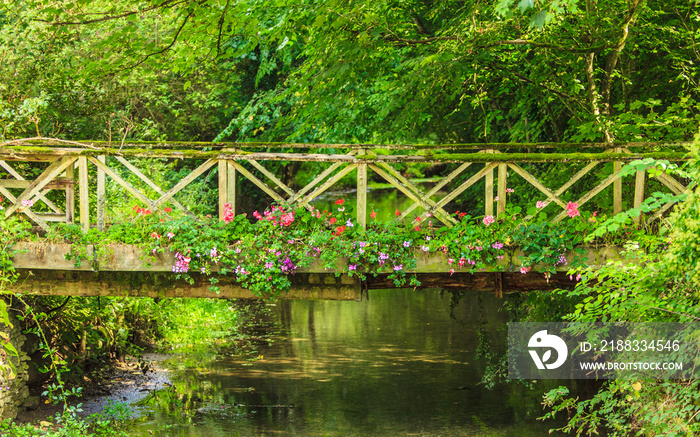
418	219
146	211
340	201
168	209
373	214
398	213
339	230
333	220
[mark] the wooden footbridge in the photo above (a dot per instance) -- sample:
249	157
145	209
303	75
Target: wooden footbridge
72	186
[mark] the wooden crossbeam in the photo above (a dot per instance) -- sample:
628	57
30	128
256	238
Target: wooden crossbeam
125	184
466	184
670	182
167	196
449	178
592	193
416	194
315	182
40	182
271	176
139	174
537	184
56	184
326	185
254	179
28	212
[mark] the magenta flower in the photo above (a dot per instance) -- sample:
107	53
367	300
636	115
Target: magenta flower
572	209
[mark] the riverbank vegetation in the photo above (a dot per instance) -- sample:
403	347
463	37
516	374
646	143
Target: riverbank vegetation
338	72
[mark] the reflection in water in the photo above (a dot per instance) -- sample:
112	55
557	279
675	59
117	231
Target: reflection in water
397	364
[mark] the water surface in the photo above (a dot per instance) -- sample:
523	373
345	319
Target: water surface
398	364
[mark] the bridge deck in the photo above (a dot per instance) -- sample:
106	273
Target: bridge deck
124	270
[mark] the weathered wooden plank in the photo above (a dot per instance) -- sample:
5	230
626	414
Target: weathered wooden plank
84	193
58	183
427	155
670	182
502	186
362	195
638	192
488	191
617	185
231	180
101	194
288	145
70	195
223	185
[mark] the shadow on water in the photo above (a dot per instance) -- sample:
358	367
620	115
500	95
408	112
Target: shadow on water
398	364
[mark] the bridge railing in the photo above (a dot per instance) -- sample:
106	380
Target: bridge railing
69	171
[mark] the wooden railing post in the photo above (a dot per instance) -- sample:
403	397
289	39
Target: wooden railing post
227	187
639	192
502	185
488	194
617	185
84	194
70	194
362	192
101	194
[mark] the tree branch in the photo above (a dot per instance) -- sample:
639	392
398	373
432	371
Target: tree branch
166	3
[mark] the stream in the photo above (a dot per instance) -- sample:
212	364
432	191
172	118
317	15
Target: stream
403	363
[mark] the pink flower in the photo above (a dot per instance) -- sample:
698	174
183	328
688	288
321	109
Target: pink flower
28	202
510	190
572	209
228	213
155	235
540	204
488	220
524	270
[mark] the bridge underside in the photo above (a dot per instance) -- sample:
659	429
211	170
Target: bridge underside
124	270
305	286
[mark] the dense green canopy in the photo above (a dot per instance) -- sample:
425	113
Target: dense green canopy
344	71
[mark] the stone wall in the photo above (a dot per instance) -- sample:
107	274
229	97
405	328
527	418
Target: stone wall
13	383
